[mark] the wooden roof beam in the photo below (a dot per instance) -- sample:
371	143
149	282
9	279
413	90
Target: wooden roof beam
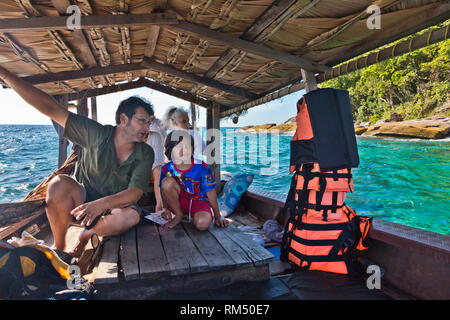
84	73
142	82
101	91
152	40
146	64
87	22
151	64
247	46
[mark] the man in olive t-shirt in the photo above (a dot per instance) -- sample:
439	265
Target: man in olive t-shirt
112	174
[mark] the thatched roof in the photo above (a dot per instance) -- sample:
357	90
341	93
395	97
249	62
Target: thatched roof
209	51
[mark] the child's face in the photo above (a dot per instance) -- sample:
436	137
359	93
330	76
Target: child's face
182	152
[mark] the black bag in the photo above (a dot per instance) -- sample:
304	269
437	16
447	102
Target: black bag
28	273
334	143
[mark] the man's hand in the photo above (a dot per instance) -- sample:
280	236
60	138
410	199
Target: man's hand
222	223
88	210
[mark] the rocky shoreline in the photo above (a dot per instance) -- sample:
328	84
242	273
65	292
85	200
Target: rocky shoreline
435	127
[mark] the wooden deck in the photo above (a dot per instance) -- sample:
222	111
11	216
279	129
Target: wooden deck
148	259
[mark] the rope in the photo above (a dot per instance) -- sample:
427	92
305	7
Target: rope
393	49
429	36
410	44
446	32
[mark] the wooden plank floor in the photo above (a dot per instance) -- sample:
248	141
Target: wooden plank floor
148	255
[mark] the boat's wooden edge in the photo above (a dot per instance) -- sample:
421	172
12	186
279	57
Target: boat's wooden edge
427	243
21	215
415	262
14	212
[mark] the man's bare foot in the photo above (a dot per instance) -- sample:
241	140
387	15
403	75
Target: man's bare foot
83	239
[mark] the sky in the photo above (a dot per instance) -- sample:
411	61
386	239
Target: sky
14	110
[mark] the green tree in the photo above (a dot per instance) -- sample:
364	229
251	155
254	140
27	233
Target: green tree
413	84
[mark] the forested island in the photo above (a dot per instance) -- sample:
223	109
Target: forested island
404	96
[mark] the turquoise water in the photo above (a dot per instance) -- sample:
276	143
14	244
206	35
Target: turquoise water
403	181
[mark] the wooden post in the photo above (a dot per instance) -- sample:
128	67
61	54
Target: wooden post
94	108
310	80
82	107
213	122
193	116
62	142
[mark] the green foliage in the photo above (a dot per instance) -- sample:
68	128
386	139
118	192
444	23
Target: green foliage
412	85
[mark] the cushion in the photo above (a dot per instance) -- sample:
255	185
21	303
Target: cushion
232	192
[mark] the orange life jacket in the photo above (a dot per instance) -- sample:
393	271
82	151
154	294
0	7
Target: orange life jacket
322	233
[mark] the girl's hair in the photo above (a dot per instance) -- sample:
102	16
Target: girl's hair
178	136
173	113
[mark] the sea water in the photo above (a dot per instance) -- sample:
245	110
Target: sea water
403	181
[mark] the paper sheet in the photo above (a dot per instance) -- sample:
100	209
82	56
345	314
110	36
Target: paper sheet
156	217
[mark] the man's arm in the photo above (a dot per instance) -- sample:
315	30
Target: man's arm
35	97
91	210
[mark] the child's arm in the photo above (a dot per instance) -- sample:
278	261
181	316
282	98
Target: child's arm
212	197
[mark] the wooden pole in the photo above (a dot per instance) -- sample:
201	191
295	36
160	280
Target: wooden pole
94	108
62	142
213	122
82	108
193	116
309	80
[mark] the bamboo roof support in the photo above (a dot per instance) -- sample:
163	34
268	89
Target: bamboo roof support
97	40
57	38
329	35
439	13
279	13
194	78
414	43
247	46
125	46
78	35
152	40
27	57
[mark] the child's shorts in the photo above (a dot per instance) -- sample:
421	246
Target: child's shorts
191	207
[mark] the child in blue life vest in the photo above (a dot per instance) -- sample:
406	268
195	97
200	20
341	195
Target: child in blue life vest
187	185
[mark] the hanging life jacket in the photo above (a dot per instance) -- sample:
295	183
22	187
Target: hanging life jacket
322	233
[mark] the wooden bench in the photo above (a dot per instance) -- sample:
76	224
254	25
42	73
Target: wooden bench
148	259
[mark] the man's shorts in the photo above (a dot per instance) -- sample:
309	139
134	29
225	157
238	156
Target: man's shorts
133	206
190	206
